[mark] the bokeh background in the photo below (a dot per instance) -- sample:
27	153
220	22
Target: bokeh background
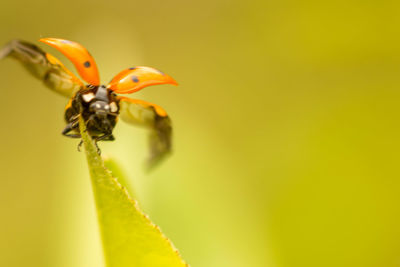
286	132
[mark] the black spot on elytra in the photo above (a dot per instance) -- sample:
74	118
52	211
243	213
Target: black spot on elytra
133	68
135	78
86	64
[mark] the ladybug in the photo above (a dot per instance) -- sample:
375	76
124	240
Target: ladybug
99	105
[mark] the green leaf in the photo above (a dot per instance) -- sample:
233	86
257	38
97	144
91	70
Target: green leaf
129	237
119	174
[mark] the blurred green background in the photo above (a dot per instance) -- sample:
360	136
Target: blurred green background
286	132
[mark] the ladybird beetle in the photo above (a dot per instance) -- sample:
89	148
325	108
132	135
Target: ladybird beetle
99	105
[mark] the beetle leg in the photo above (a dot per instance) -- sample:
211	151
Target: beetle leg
70	126
104	137
74	118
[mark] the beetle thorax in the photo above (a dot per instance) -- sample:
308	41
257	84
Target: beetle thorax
99	100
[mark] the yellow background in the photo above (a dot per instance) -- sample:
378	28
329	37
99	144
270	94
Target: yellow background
286	138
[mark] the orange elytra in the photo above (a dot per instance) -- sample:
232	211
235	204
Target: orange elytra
134	79
79	56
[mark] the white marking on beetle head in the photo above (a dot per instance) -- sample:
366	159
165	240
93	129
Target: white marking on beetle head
113	107
88	97
107	107
98	105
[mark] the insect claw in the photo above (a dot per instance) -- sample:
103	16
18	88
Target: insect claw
97	147
80	145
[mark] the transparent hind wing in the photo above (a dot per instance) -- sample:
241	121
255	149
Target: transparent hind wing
152	117
43	66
